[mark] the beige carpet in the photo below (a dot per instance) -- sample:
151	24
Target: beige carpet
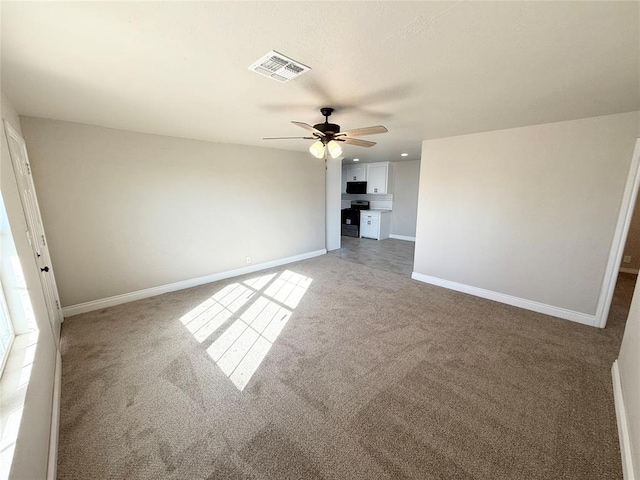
367	375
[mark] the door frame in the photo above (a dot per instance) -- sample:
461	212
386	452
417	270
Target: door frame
619	239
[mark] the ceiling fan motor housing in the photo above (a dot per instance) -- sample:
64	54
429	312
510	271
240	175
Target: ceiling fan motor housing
328	129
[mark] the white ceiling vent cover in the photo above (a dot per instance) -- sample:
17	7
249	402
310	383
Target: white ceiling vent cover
278	67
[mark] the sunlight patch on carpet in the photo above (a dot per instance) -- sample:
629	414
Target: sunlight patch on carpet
268	303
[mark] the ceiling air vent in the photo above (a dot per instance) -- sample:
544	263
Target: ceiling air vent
278	67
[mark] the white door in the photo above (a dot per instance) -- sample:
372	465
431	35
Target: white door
35	234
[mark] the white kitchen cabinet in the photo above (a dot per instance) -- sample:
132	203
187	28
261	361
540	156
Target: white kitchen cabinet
344	179
375	224
379	177
369	225
356	173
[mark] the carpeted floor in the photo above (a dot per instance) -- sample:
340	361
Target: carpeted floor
367	375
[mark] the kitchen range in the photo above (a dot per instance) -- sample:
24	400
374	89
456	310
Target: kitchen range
361	221
351	218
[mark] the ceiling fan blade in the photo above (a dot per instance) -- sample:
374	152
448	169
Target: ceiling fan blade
288	138
306	126
355	141
357	132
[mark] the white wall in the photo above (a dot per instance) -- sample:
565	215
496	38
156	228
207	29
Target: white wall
126	211
333	196
628	363
405	198
526	212
32	446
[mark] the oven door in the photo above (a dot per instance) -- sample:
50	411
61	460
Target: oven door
350	216
350	222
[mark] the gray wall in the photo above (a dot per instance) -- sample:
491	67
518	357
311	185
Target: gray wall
32	446
405	198
127	211
628	362
527	212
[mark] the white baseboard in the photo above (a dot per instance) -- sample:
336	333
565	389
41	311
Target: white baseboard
509	300
172	287
623	427
635	271
402	237
52	464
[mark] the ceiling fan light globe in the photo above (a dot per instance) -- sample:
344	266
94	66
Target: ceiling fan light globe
317	149
334	149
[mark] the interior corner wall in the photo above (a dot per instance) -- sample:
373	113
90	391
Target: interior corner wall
527	212
127	211
405	198
31	454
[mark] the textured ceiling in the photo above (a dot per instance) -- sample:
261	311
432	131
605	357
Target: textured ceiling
422	69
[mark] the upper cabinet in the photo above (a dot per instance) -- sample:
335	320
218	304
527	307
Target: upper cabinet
356	173
379	177
344	178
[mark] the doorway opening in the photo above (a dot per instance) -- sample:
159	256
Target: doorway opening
625	241
378	203
628	272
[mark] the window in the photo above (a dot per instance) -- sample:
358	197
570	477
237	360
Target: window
6	331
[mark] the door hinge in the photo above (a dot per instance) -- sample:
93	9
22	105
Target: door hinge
44	243
28	168
57	305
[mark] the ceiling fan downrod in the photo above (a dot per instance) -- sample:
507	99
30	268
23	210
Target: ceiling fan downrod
329	129
326	113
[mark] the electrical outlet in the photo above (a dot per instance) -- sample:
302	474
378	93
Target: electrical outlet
626	259
248	259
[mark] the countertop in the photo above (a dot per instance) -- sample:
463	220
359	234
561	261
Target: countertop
376	210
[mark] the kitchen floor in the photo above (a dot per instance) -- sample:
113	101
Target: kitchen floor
390	254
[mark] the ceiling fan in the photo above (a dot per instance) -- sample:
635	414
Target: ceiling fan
329	135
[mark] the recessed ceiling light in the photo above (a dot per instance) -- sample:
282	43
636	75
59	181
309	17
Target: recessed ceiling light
356	159
404	154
